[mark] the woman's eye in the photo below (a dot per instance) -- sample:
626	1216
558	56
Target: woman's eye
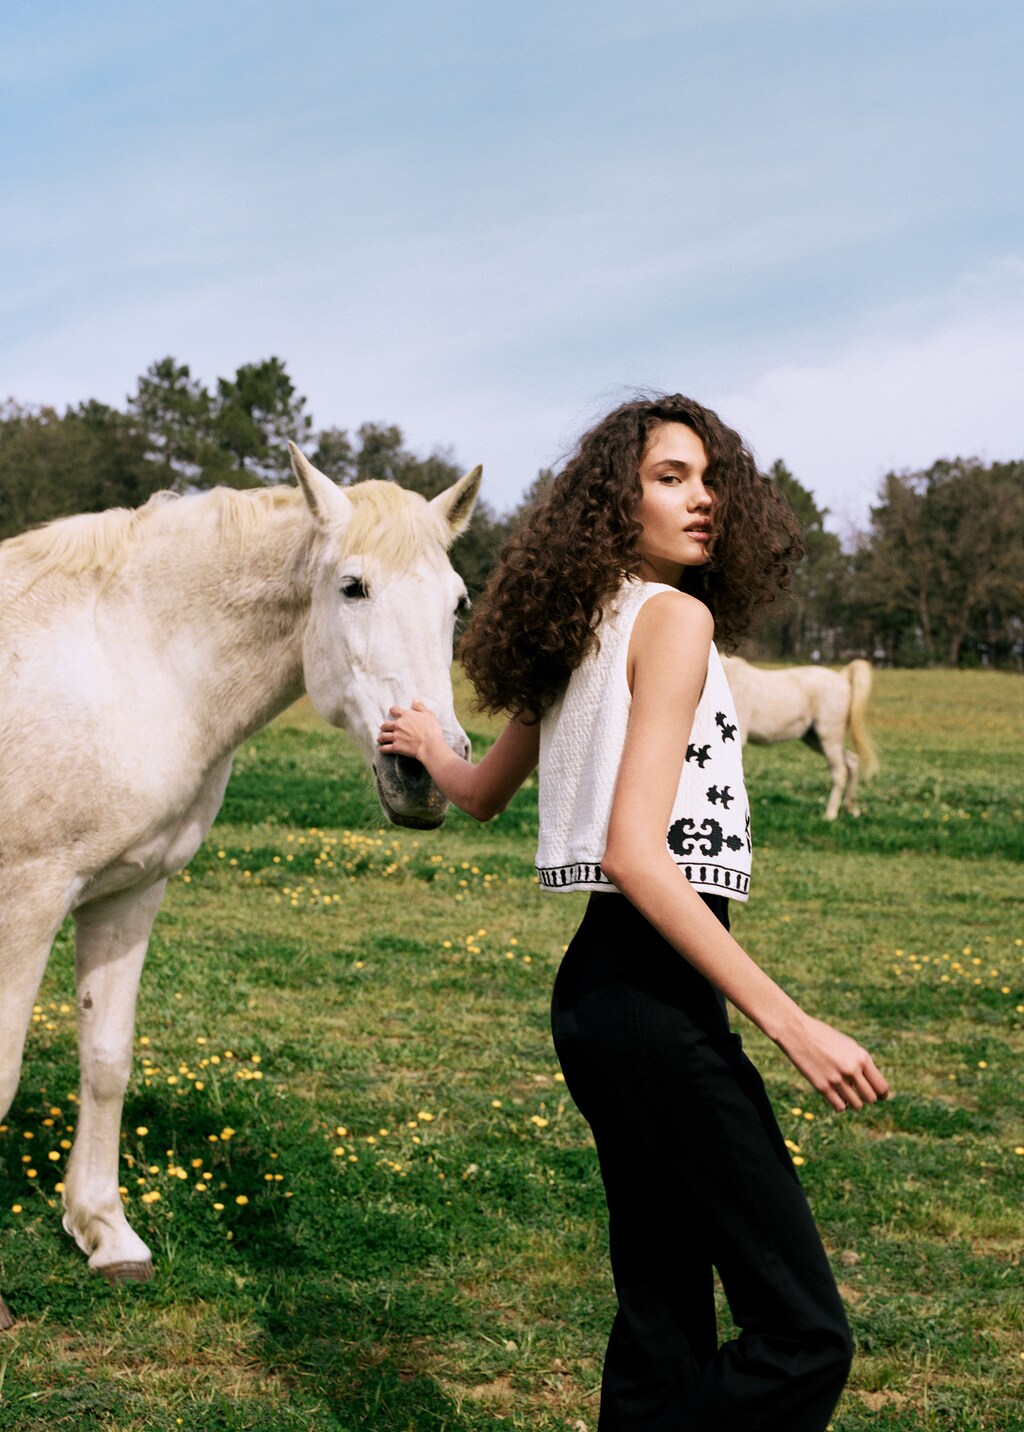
354	588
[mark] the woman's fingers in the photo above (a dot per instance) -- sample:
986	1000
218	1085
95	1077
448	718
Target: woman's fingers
390	734
847	1092
867	1082
862	1085
877	1080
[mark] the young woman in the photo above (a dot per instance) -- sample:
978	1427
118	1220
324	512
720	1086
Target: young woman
596	634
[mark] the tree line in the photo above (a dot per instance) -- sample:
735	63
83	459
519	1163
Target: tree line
176	433
936	576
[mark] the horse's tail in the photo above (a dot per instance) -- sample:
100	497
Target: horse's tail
858	674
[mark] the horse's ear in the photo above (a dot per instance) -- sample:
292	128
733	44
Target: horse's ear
456	503
325	499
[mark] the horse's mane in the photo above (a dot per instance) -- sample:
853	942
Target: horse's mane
393	526
388	524
85	542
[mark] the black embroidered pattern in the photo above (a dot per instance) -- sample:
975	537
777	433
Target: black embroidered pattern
727	729
699	754
555	877
737	880
724	795
685	838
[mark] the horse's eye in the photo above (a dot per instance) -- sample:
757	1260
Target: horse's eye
463	606
354	588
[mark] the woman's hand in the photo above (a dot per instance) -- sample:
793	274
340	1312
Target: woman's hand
412	731
481	791
841	1070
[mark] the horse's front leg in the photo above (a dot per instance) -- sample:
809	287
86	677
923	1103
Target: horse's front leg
834	752
837	767
110	948
30	914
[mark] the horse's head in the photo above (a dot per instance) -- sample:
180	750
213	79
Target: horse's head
384	599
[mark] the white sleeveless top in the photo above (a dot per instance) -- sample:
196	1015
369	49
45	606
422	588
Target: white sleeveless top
582	736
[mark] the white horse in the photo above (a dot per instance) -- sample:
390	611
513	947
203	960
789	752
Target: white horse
138	649
816	705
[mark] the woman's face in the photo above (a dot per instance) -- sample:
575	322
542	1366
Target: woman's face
676	505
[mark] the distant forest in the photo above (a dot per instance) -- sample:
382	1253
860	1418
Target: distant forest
936	577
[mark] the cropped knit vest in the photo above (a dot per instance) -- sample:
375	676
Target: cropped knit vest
581	742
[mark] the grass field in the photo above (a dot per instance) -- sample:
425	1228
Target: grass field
369	1200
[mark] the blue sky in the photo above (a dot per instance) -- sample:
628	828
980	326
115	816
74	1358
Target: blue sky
490	222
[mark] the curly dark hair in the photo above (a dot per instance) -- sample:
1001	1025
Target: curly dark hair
542	607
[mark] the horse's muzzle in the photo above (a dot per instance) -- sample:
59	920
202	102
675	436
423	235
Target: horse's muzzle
408	796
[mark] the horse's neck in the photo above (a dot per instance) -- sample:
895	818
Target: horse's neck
228	615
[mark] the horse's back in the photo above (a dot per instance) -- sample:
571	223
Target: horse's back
771	705
785	704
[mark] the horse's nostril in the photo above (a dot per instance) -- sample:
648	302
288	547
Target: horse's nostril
410	768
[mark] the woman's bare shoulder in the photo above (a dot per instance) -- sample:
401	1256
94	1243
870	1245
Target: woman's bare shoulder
671	636
673	613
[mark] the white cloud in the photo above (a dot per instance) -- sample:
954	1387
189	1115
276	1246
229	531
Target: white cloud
901	397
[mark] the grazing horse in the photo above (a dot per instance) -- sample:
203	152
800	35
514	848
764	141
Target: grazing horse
138	650
816	705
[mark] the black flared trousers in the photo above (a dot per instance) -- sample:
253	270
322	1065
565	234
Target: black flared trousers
697	1177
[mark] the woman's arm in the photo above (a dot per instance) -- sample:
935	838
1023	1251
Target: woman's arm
481	791
668	662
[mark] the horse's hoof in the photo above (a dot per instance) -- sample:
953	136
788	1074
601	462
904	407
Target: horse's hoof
117	1273
6	1317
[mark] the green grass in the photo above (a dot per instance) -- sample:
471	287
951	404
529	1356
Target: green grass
314	972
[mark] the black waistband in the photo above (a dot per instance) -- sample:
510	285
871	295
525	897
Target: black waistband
617	907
